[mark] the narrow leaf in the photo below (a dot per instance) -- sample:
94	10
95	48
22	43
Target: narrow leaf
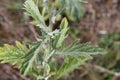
11	54
77	50
69	66
30	58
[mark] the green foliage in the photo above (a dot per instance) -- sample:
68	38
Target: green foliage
12	54
60	37
37	59
1	44
77	50
70	66
30	58
74	9
75	55
110	40
32	10
13	5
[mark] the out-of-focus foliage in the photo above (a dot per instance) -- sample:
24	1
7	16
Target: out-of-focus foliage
110	41
74	9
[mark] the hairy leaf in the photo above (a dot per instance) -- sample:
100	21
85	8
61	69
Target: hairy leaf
11	54
30	58
75	55
69	66
33	11
77	50
59	38
74	8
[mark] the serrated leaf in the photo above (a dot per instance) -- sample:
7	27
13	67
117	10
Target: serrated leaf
11	54
32	10
30	58
59	38
21	46
69	66
64	28
77	50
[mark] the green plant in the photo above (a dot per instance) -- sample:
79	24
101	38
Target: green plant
36	59
72	9
109	41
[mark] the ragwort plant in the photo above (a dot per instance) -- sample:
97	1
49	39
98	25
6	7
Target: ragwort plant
36	59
